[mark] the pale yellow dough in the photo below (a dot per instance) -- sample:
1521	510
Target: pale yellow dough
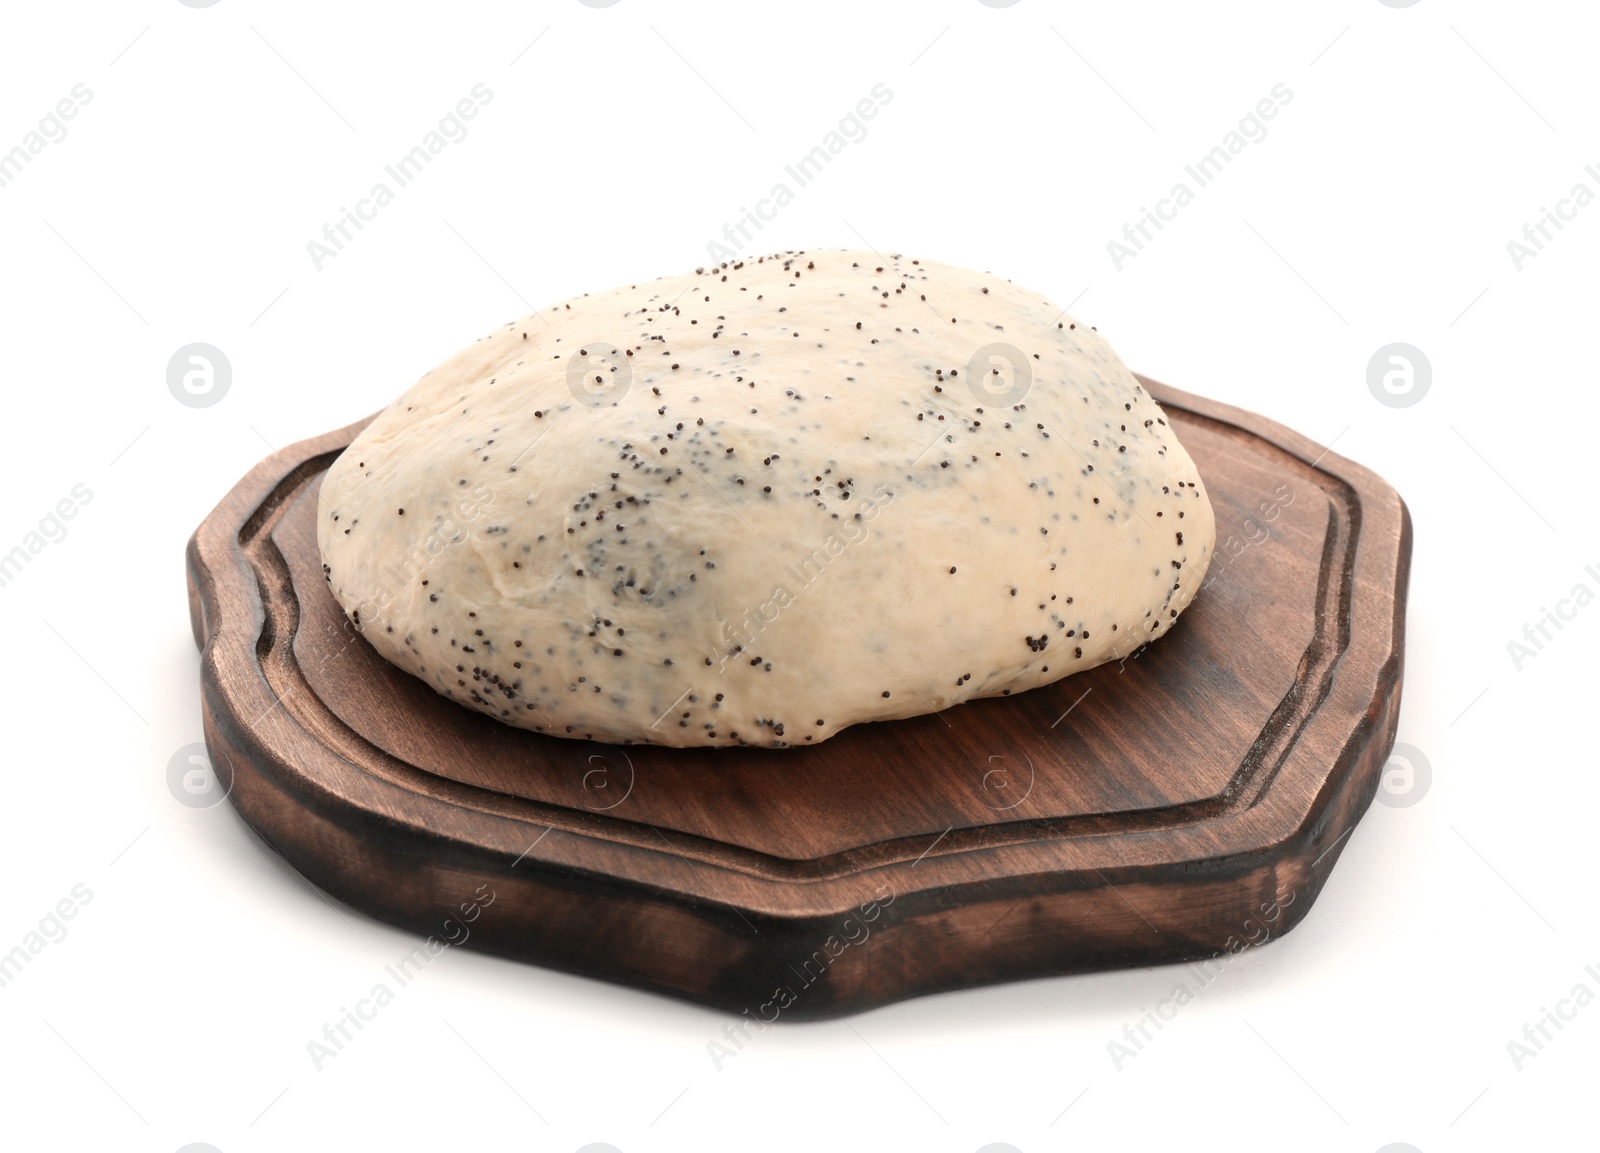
761	502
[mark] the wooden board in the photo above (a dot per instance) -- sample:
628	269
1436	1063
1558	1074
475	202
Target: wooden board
1187	801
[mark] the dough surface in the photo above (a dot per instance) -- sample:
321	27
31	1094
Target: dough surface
764	501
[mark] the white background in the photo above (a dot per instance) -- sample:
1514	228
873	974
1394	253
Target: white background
1378	208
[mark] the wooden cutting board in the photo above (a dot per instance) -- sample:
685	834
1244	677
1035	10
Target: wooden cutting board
1182	804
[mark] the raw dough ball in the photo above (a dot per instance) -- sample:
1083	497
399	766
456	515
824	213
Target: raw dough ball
761	502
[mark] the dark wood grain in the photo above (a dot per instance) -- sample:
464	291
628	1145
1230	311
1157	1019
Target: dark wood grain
1168	807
